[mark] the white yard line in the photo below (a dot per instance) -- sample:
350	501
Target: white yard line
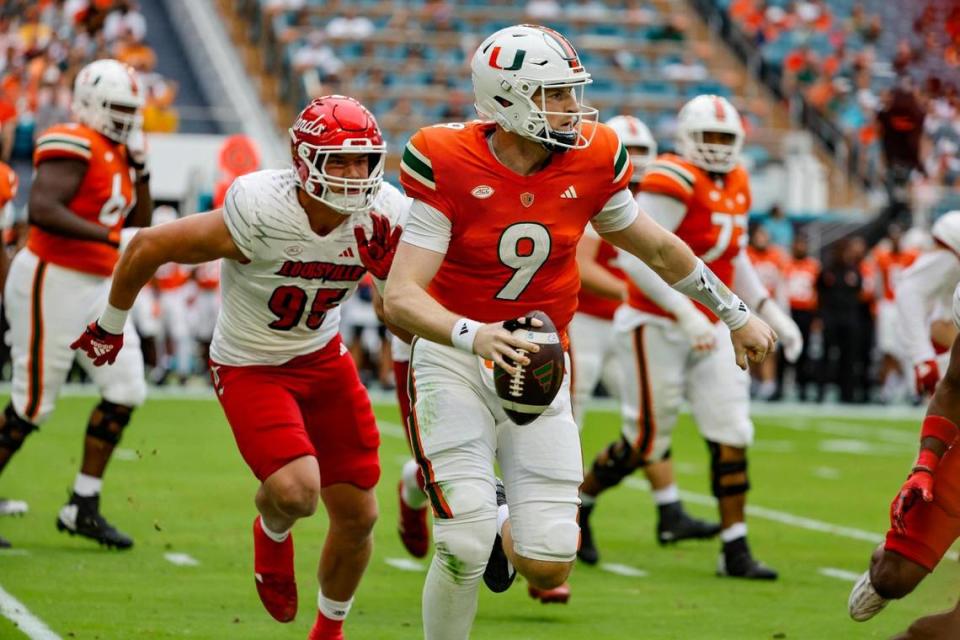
29	624
181	559
839	574
14	552
623	570
405	564
783	517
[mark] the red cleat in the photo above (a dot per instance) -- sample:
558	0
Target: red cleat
558	595
413	529
326	629
274	574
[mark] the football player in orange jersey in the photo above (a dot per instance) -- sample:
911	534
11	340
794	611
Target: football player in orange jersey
8	191
89	193
703	195
593	348
499	208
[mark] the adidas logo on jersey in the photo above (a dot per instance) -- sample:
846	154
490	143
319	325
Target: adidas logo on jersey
346	253
570	192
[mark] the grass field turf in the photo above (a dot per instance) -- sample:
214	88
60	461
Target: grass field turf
186	490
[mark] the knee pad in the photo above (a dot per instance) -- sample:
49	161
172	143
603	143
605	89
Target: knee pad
562	538
720	470
463	547
108	421
618	464
15	430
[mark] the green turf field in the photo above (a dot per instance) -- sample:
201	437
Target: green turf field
180	487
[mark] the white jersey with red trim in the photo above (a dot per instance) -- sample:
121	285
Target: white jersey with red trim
284	302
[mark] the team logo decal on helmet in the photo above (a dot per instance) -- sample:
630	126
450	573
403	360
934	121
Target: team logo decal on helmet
333	125
515	68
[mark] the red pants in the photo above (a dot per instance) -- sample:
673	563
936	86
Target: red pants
312	405
932	526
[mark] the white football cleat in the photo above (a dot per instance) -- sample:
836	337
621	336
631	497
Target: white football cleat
12	507
865	602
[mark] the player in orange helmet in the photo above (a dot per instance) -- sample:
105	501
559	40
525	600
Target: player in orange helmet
89	193
499	208
703	196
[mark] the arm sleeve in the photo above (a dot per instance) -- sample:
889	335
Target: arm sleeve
655	287
427	228
667	210
239	217
617	214
746	281
918	289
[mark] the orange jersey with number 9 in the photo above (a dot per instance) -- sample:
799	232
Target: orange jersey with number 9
105	196
513	238
715	223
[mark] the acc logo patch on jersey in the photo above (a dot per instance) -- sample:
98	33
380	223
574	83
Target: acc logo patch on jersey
482	191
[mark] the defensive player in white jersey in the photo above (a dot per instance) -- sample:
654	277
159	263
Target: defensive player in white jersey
924	287
294	244
593	347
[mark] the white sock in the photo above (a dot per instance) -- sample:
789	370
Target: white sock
667	495
734	531
87	486
332	609
449	600
587	500
411	493
503	514
273	535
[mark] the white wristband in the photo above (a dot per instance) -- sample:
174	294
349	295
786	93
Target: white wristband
464	333
705	287
112	319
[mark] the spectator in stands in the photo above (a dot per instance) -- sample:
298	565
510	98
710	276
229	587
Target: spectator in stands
687	69
769	262
543	9
351	25
674	29
136	53
839	290
125	18
779	227
159	114
53	103
587	10
800	282
900	124
316	54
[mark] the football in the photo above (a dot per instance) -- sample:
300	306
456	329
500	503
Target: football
527	394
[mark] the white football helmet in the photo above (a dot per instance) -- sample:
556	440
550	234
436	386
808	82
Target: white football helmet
509	70
108	99
946	230
709	113
638	140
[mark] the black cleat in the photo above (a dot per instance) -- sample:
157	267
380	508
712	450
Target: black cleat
736	561
588	551
499	574
675	524
81	516
4	543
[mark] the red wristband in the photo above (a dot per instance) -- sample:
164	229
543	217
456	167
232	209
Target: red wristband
940	428
926	461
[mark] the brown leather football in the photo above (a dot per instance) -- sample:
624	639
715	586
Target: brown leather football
528	394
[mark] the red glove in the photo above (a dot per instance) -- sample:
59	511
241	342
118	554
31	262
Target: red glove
925	376
377	253
100	346
918	485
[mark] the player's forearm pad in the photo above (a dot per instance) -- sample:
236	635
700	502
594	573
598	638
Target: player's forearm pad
705	287
940	428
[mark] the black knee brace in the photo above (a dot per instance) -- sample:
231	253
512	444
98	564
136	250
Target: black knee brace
108	421
14	430
719	470
618	465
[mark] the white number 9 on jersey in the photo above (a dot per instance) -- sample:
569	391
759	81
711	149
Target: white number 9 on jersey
524	247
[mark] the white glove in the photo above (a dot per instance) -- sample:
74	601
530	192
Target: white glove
699	330
137	150
787	330
126	235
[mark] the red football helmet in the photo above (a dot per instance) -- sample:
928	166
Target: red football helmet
337	125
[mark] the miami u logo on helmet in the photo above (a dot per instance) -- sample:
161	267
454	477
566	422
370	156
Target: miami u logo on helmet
517	59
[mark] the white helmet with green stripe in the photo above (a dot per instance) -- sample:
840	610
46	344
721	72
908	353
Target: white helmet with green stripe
512	72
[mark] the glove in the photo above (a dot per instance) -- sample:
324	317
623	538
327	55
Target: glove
137	151
377	253
699	330
926	374
787	330
918	485
99	345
